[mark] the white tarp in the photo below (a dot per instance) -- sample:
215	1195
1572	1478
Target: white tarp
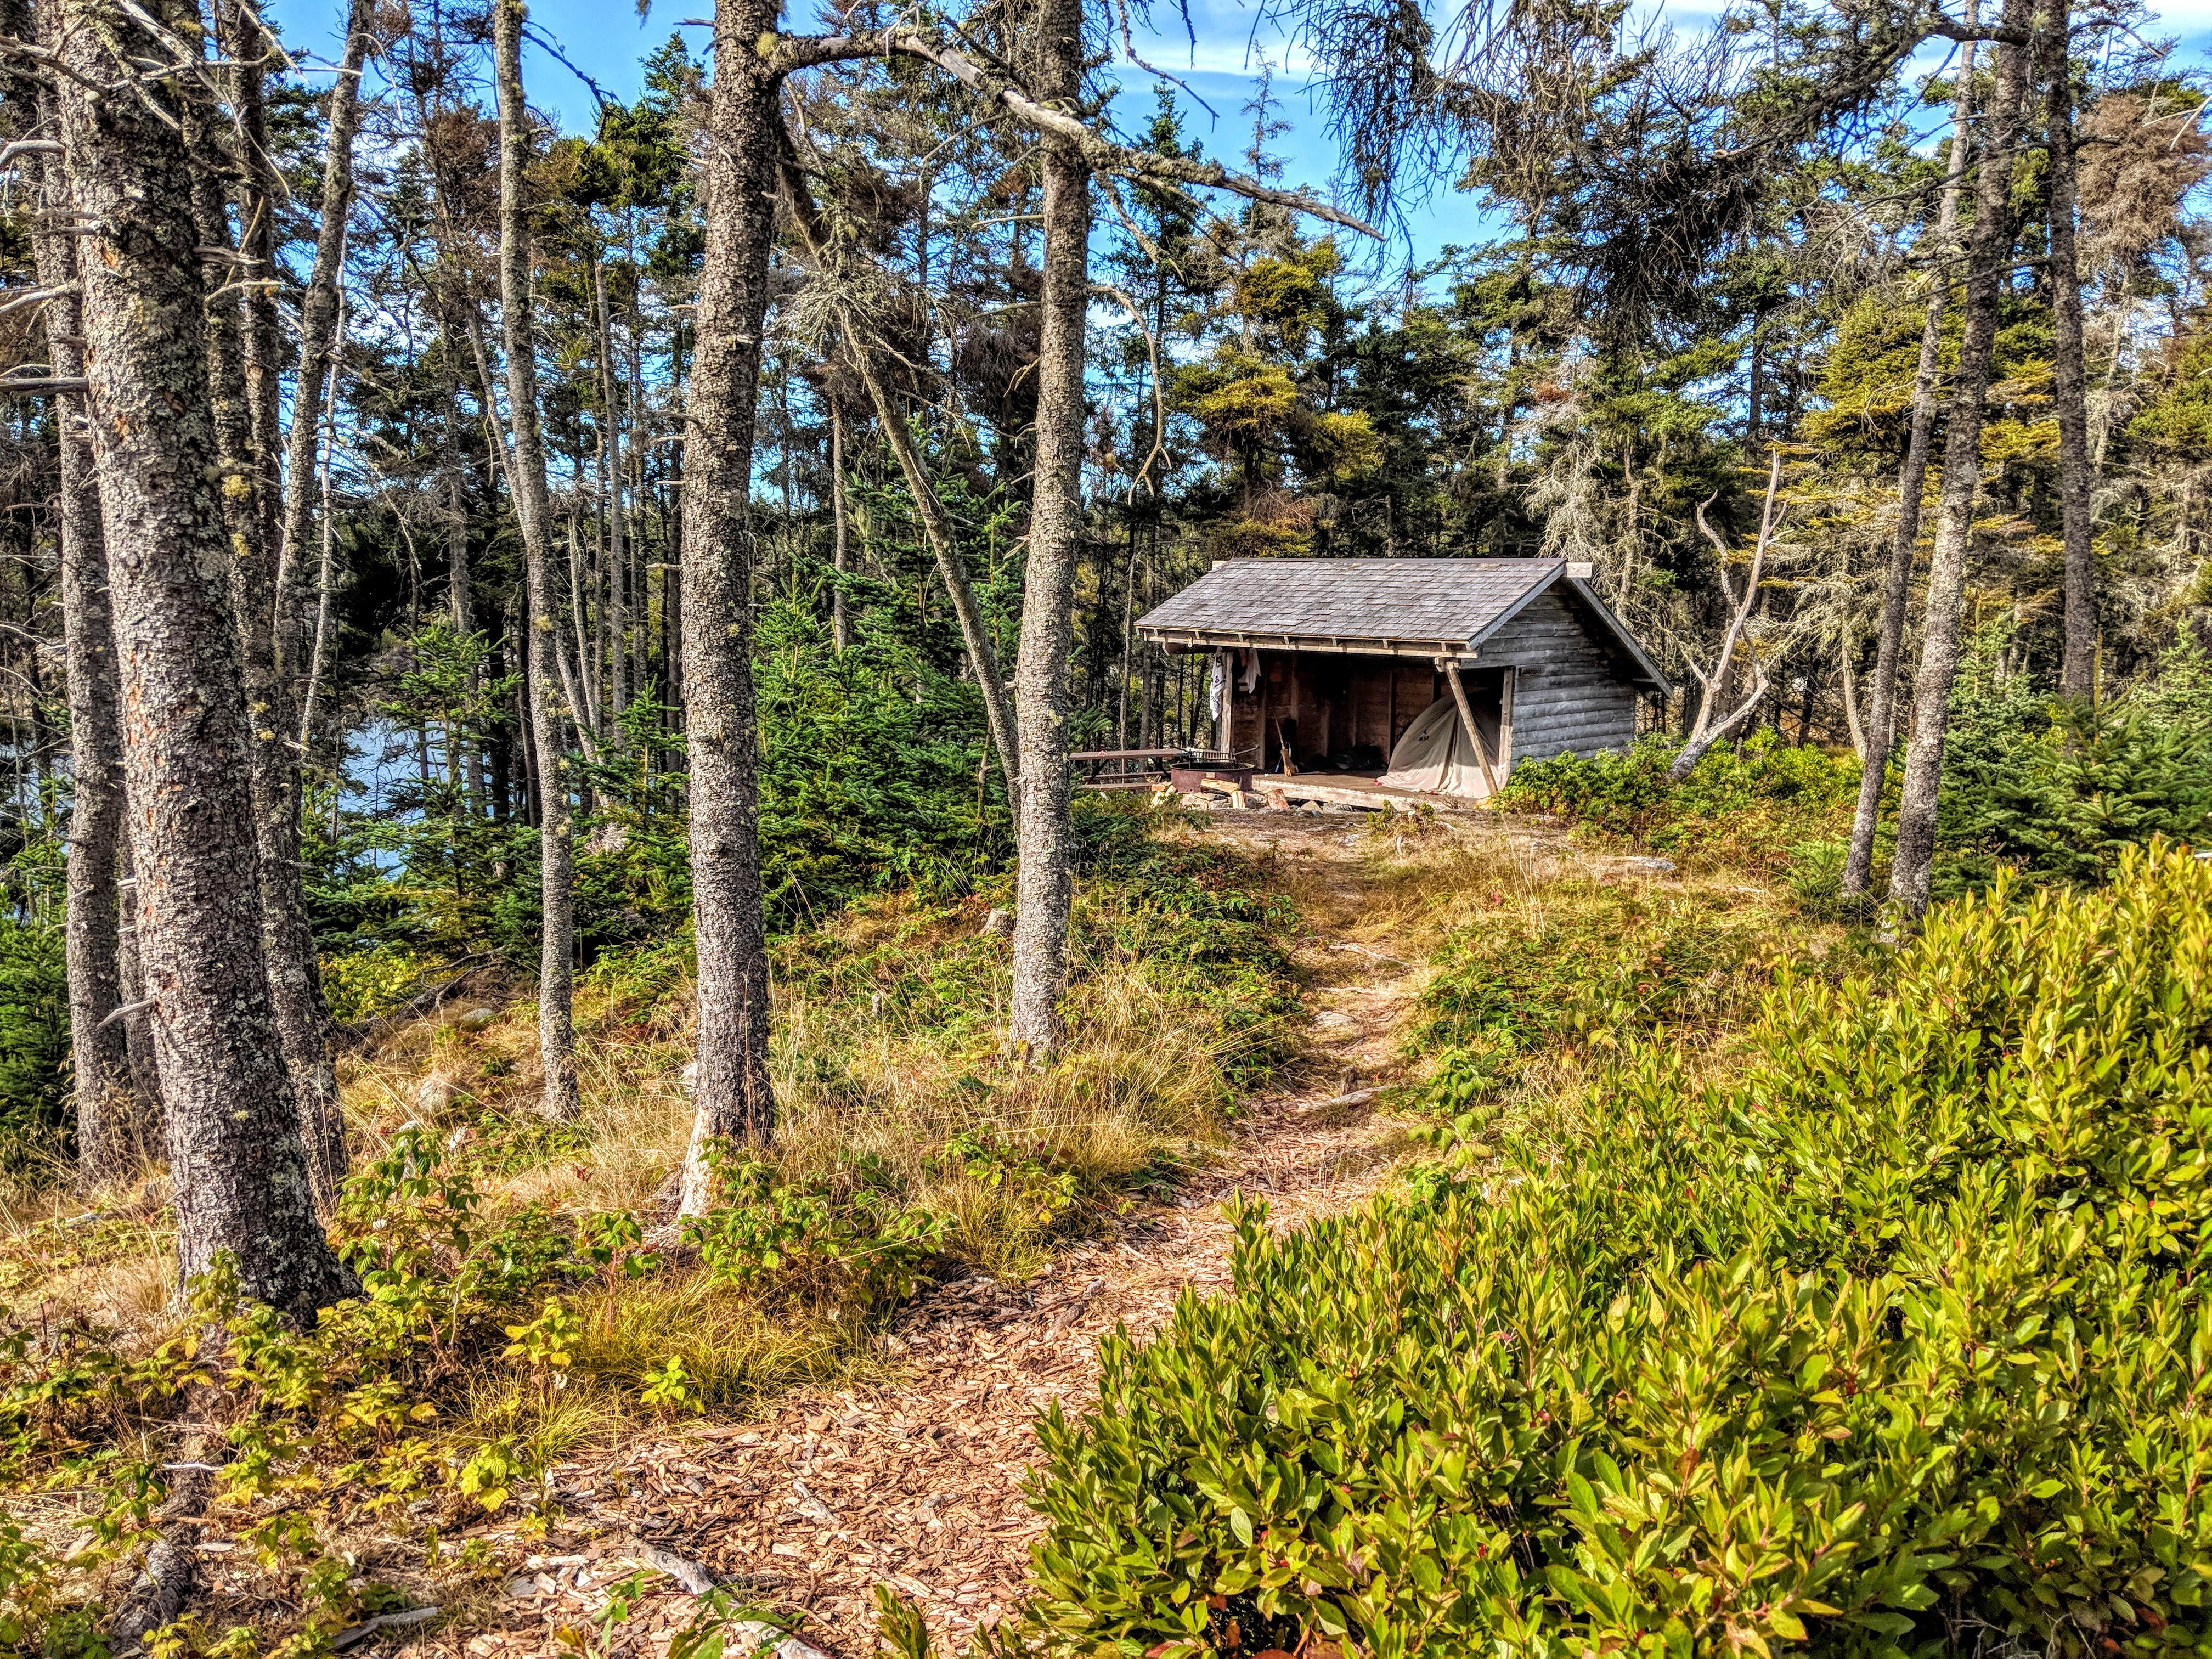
1435	755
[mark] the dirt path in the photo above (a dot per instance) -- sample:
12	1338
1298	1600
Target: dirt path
918	1483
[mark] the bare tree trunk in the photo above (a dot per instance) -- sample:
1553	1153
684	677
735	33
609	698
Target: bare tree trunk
1044	835
2069	375
1911	484
557	1036
287	940
233	1136
735	1101
242	42
1129	633
841	632
1988	246
943	544
320	339
610	488
99	1044
580	682
318	636
1710	726
1846	674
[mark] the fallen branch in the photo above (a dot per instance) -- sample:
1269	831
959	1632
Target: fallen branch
361	1632
1356	1097
1378	954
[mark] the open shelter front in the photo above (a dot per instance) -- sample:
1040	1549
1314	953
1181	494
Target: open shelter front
1433	675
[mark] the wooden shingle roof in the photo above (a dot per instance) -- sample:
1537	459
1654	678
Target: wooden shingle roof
1403	607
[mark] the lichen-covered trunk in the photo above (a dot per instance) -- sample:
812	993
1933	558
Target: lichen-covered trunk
98	1044
234	345
616	619
735	1101
1044	836
235	1156
557	1035
2070	372
147	1120
1911	484
1989	249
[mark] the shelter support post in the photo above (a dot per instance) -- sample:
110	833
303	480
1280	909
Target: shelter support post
1451	670
1505	723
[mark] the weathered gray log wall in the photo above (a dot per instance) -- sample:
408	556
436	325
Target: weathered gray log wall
1572	696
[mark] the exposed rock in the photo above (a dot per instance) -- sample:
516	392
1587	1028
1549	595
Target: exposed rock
435	1093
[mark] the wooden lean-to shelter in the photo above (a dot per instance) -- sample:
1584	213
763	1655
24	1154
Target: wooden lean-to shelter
1429	675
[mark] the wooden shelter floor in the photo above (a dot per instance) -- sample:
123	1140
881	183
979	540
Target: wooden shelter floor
1358	785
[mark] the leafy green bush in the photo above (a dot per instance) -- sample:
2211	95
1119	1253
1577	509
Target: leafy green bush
854	1248
1619	971
873	770
1751	801
1895	1341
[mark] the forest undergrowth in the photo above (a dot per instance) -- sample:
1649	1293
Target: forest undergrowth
527	1300
525	1296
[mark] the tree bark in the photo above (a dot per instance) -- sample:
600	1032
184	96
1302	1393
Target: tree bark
1911	484
1044	833
735	1100
239	1169
1846	674
147	1129
287	940
557	1036
610	487
319	343
99	1045
239	33
2069	375
1988	246
1711	726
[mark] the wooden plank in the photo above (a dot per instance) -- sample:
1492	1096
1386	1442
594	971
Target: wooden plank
1295	789
1507	687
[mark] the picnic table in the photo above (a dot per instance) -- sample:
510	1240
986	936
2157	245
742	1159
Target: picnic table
1124	768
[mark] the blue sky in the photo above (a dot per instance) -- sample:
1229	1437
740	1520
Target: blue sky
605	39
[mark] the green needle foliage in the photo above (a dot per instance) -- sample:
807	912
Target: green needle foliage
1893	1342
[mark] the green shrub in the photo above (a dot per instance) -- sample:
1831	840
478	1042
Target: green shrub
1893	1343
34	1039
2060	789
2092	785
1750	802
1616	971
